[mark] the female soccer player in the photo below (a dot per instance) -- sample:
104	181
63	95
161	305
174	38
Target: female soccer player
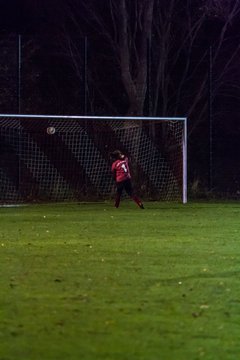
121	174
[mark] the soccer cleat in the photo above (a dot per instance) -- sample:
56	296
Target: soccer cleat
141	206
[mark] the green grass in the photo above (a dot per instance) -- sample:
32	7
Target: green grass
89	282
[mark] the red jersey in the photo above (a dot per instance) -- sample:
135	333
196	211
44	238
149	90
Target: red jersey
121	170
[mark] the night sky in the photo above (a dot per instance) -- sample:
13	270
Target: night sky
10	15
29	16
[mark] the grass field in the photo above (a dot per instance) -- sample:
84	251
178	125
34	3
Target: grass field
89	282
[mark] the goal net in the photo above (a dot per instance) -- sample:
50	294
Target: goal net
58	158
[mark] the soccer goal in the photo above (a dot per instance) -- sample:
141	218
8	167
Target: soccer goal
58	158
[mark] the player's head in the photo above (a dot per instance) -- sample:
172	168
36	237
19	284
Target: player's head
116	155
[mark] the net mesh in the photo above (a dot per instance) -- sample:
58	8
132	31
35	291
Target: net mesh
72	163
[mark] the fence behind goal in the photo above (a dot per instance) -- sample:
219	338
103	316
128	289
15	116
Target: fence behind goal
66	158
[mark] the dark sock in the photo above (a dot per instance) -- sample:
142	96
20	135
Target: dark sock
117	201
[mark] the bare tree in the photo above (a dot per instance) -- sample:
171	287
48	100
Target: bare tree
126	29
182	63
132	44
179	63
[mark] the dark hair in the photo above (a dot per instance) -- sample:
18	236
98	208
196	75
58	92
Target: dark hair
115	155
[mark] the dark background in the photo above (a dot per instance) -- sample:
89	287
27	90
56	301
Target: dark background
51	83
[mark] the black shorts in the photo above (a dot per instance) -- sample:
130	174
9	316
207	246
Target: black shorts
125	185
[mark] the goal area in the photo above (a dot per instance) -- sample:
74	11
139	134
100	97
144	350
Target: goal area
66	158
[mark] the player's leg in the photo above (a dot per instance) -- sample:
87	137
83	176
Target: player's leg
118	195
129	190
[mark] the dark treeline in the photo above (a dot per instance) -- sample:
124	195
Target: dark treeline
144	57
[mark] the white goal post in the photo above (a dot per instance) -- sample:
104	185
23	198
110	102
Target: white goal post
60	157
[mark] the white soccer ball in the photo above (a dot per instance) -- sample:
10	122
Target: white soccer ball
51	130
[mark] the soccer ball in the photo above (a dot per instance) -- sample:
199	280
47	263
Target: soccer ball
51	130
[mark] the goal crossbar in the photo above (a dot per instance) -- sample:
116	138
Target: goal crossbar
75	117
